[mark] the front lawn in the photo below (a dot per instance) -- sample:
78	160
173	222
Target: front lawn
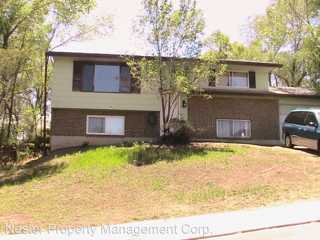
102	185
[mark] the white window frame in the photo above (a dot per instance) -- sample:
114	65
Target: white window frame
105	122
230	74
233	133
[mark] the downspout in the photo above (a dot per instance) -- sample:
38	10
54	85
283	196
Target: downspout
45	89
179	105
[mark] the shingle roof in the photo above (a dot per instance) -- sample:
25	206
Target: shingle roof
294	91
276	92
121	57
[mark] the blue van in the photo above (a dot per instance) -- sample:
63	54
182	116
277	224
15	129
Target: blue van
301	128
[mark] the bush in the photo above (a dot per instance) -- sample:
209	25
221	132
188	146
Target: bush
143	155
181	134
8	155
131	143
85	145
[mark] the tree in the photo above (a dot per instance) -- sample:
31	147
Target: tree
224	48
311	18
174	35
29	28
283	32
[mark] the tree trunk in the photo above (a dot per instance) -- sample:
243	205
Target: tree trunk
11	109
2	130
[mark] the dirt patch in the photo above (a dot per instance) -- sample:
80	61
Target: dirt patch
248	176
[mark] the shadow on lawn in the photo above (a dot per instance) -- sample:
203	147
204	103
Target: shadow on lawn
35	169
25	174
152	154
307	150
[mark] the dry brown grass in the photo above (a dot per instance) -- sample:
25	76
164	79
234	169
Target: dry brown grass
250	176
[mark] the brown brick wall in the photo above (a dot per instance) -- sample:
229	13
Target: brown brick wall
72	122
263	113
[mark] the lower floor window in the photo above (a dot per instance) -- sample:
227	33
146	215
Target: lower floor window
105	125
230	128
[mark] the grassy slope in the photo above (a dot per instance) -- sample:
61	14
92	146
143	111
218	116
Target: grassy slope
99	186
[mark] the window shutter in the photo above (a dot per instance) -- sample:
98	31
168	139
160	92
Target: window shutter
252	79
135	84
77	70
87	77
125	79
212	78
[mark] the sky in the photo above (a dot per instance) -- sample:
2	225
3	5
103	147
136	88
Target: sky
228	16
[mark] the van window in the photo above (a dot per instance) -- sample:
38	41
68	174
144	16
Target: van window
311	118
297	118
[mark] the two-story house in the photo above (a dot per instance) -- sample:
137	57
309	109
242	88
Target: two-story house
95	100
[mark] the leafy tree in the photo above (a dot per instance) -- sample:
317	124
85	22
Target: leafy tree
221	44
283	32
29	28
174	69
174	35
311	18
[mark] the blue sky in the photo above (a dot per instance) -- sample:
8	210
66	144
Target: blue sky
229	16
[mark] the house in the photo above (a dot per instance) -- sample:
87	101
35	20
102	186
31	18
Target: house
95	101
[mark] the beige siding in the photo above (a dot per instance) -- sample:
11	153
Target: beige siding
299	101
64	97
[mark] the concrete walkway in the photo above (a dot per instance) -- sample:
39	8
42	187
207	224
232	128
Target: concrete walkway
210	226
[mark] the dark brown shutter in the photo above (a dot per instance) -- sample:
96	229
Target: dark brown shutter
135	84
87	77
125	79
77	72
212	78
252	79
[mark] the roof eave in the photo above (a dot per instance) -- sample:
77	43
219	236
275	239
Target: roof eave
258	93
122	57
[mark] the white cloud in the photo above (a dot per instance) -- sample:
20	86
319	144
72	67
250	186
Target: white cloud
229	16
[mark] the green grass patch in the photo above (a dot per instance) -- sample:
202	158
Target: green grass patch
101	158
255	190
104	158
208	193
213	192
159	184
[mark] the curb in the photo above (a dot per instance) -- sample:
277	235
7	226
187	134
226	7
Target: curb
254	230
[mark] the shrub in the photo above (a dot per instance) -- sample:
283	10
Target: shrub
8	155
131	143
85	144
143	155
180	134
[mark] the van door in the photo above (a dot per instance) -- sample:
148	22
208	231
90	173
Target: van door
310	131
297	122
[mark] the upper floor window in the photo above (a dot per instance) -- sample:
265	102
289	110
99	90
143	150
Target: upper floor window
235	80
99	77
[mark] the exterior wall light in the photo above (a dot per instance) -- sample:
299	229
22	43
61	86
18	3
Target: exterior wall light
184	103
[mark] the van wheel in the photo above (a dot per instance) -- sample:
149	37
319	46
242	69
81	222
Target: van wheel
318	148
288	142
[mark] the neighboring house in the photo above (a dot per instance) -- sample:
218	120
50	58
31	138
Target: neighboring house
95	101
